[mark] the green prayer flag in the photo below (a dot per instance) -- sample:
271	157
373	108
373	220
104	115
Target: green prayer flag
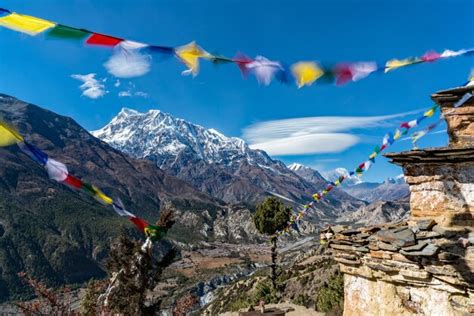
88	188
66	32
155	232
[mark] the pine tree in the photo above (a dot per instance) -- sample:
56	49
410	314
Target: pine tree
133	273
271	216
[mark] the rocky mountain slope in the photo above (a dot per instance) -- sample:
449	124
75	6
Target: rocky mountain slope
60	236
378	212
385	191
223	167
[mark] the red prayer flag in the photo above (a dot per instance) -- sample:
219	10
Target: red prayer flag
241	60
105	40
73	182
430	56
140	223
405	125
343	74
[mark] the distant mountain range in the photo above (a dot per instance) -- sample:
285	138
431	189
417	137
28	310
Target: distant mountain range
392	189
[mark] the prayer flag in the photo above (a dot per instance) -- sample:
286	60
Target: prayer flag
362	69
34	153
430	112
396	63
25	23
140	223
132	45
73	182
56	170
104	40
8	136
430	56
66	32
306	72
343	73
101	197
241	60
189	55
155	232
264	69
450	53
120	209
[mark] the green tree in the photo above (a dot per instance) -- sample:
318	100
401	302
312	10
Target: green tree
270	217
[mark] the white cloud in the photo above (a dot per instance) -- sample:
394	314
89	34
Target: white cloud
128	63
117	83
91	87
125	94
312	135
128	93
141	94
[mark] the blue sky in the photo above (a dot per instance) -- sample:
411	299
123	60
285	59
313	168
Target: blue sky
39	70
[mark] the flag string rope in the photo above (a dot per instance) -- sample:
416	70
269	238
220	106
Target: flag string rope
387	141
58	171
302	73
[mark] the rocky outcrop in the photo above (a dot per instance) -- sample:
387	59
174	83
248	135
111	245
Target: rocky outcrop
424	265
377	213
399	269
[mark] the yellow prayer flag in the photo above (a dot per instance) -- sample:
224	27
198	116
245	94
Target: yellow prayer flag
25	23
189	54
373	155
306	72
430	112
8	136
397	134
102	197
396	63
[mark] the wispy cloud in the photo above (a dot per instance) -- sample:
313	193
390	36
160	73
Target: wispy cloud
128	63
91	87
128	93
312	135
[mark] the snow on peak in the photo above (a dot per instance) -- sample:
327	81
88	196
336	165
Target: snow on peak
296	166
162	137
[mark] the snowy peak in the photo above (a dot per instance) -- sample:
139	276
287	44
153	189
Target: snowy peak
160	136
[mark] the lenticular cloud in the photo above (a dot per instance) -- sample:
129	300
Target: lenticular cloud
128	63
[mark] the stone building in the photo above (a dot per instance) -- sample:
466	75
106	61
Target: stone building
424	265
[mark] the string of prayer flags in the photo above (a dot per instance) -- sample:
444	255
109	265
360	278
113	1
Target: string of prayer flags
387	141
419	134
58	171
303	73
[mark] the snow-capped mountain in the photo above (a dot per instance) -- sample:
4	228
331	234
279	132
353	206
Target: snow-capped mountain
158	136
224	167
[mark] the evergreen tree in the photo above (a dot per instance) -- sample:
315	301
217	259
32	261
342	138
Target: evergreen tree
133	273
271	216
